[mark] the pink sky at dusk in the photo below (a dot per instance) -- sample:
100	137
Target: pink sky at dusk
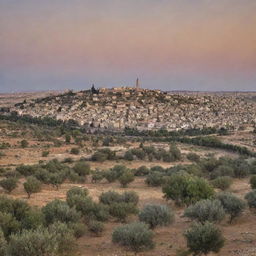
194	45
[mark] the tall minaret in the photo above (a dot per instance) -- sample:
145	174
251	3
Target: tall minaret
137	83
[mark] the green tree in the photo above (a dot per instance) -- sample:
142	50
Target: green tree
126	178
32	185
134	236
206	210
204	238
9	184
24	143
156	215
251	199
232	205
3	244
187	189
253	181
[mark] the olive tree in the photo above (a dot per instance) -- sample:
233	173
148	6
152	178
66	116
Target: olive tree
156	215
206	210
232	205
204	238
135	236
32	185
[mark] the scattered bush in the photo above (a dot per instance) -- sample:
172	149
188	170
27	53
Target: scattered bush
33	219
204	238
38	242
9	184
45	153
141	171
206	210
126	178
58	210
99	157
130	197
110	197
187	189
251	199
156	215
222	170
3	244
96	227
64	238
134	236
75	151
24	143
79	229
222	183
97	176
128	155
82	168
122	210
231	204
154	179
32	185
253	181
193	157
9	224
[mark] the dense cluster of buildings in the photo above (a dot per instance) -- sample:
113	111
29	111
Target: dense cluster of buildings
144	109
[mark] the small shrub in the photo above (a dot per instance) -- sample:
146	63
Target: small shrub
45	153
82	168
96	227
122	210
32	185
231	204
110	176
253	181
110	197
126	178
97	176
204	238
154	179
222	170
58	210
3	244
128	156
24	143
77	191
206	210
130	197
33	219
38	242
26	170
222	183
99	157
193	157
75	151
251	199
79	229
156	215
9	184
134	236
64	237
141	171
9	224
187	189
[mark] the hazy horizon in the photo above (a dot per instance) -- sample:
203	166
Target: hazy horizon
200	45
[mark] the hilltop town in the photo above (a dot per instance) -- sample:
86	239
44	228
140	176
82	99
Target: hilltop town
144	109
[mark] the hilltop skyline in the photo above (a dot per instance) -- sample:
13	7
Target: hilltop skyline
170	45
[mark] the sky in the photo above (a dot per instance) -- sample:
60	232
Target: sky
207	45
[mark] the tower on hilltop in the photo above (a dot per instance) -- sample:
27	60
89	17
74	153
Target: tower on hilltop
137	84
